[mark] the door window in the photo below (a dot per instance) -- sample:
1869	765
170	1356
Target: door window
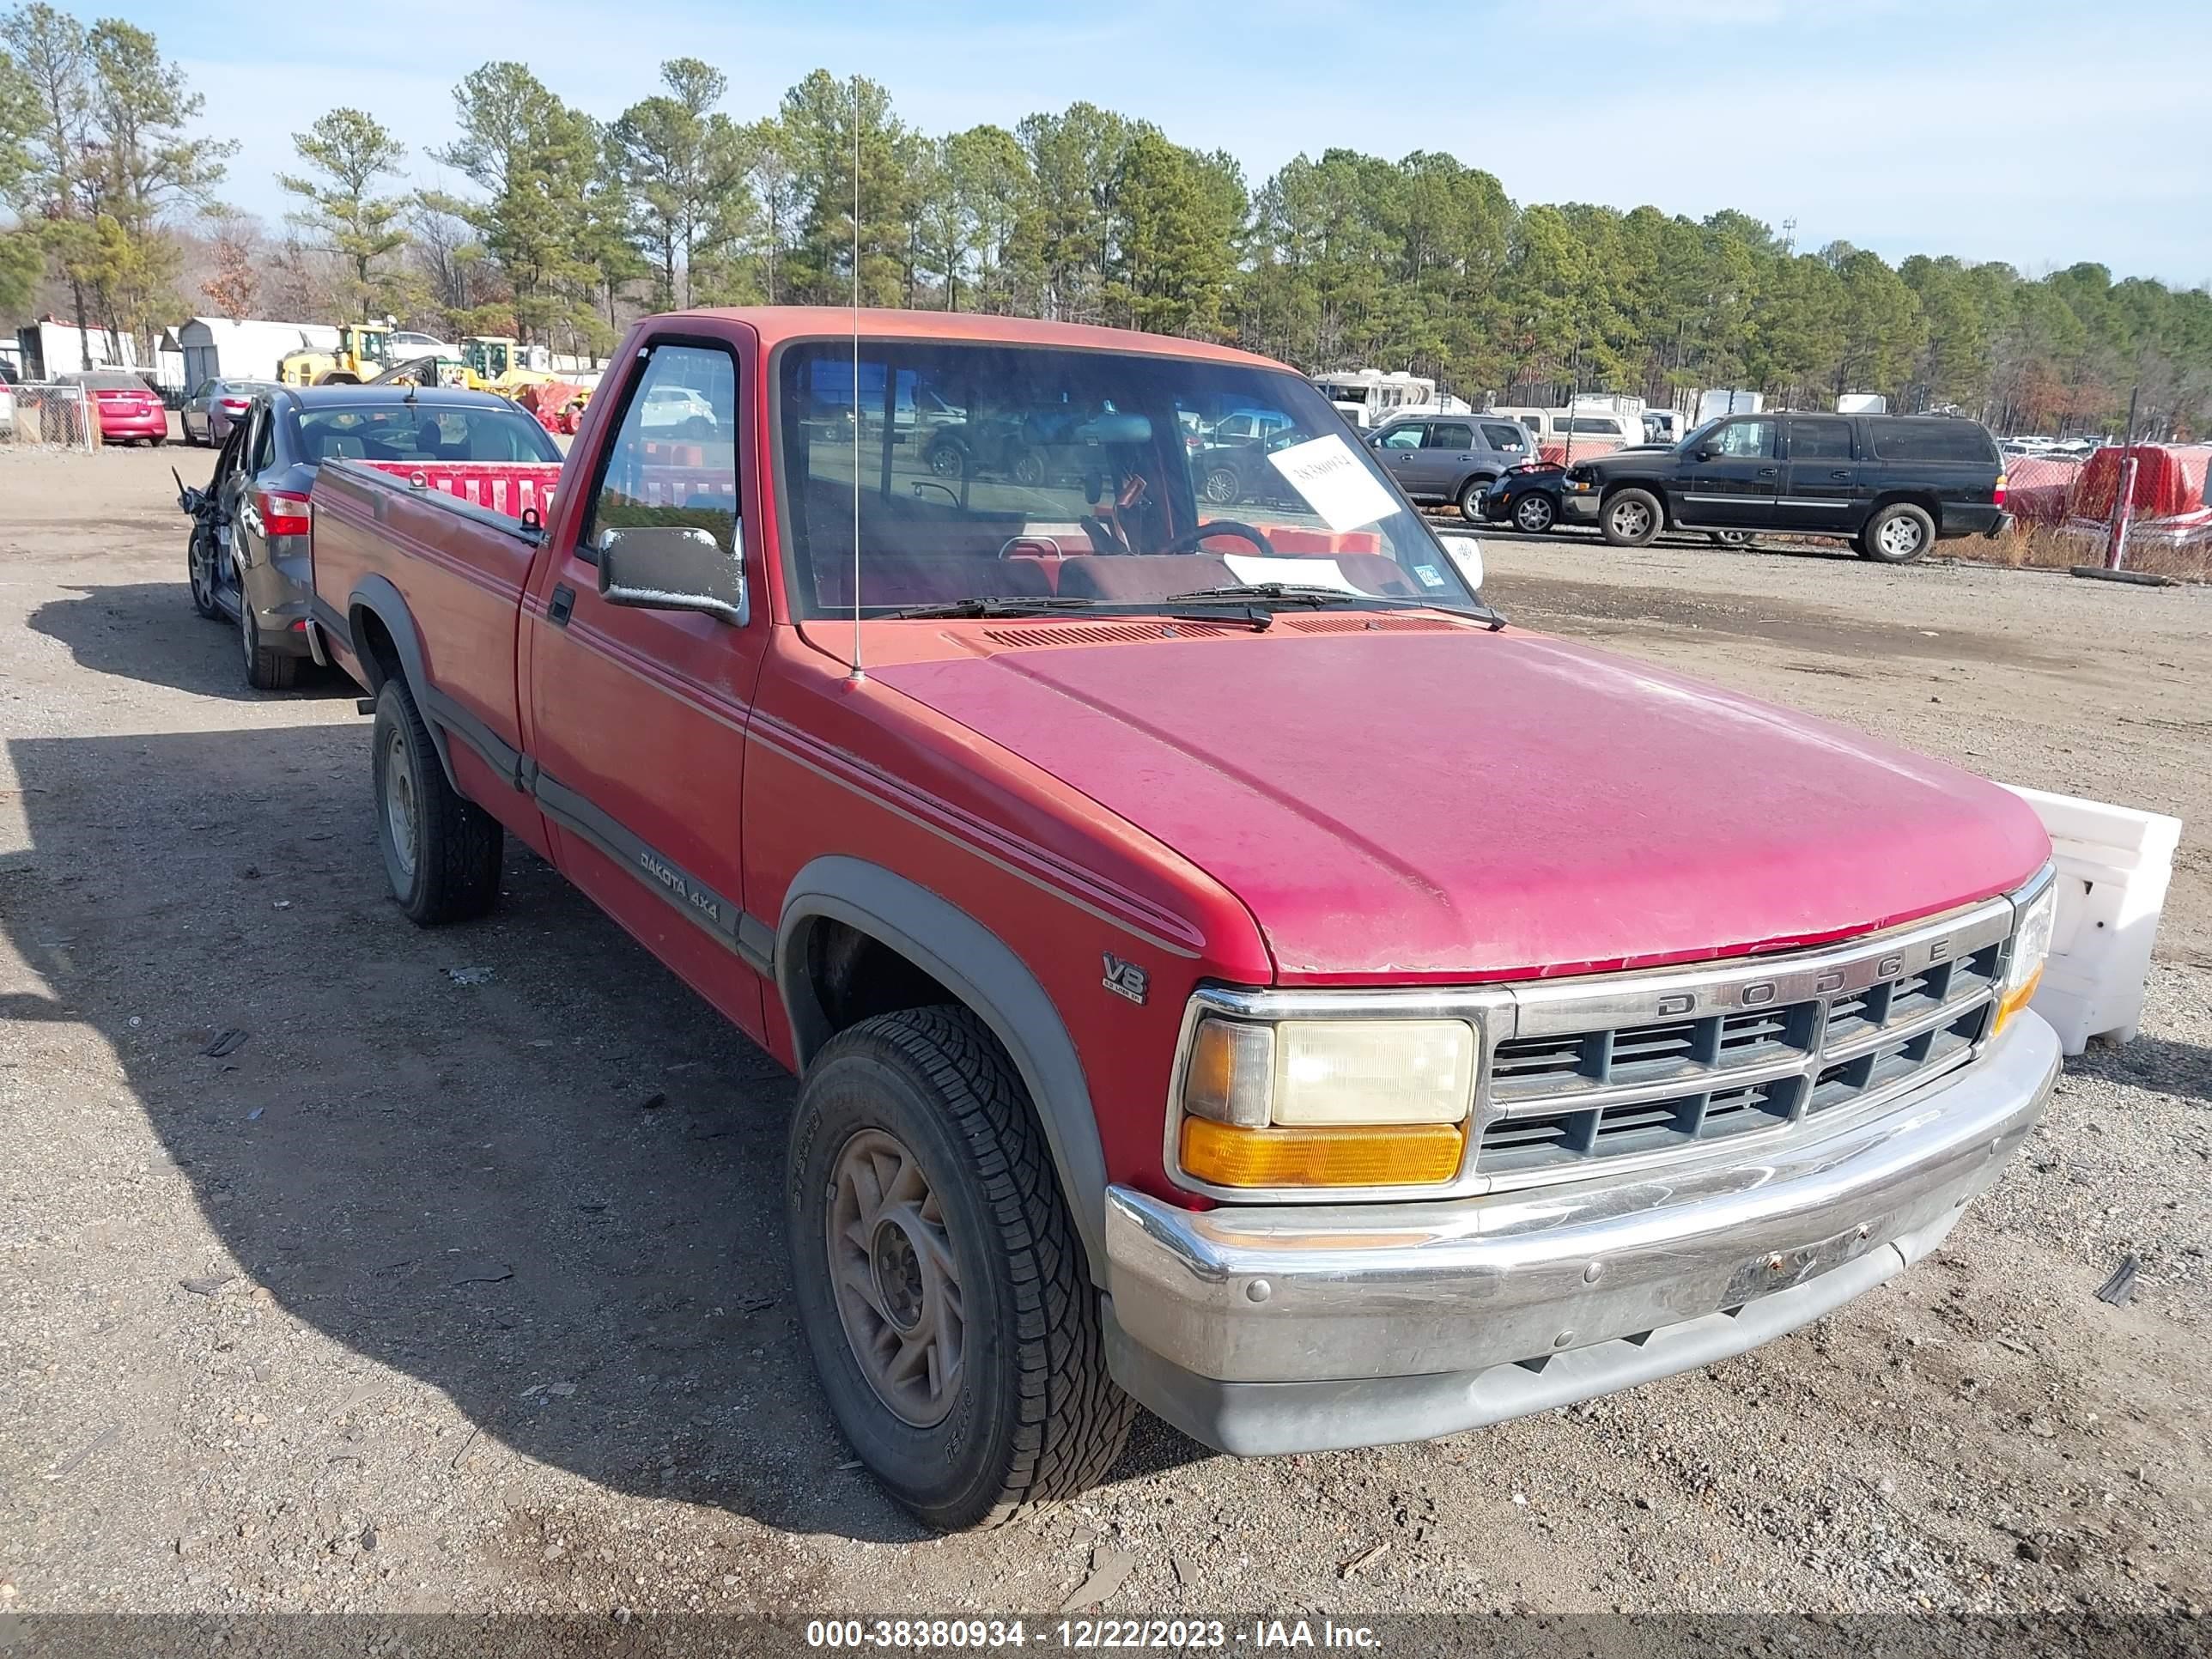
1408	436
1745	441
1512	438
1451	434
674	459
1819	441
264	439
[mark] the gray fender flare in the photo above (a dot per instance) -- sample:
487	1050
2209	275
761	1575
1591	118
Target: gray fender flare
375	595
979	968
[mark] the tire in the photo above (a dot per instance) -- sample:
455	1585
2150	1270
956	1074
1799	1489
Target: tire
441	852
947	460
155	443
1470	499
1027	468
1631	518
1535	514
1222	487
265	669
1731	537
200	572
1898	534
1032	1416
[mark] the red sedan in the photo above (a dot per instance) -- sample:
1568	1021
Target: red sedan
130	411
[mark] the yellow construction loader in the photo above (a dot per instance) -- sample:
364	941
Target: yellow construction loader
360	356
499	363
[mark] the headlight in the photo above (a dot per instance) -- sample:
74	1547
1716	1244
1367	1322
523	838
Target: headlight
1327	1103
2031	947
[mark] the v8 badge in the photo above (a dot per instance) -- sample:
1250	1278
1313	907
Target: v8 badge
1126	979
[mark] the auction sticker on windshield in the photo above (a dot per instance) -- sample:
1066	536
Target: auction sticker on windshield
1330	477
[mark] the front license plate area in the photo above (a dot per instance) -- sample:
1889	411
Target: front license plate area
1783	1270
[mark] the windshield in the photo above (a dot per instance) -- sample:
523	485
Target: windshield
1010	472
401	431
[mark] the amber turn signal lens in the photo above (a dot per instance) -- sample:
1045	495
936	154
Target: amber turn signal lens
2016	1001
1407	1155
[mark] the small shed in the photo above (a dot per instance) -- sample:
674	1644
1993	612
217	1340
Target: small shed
217	348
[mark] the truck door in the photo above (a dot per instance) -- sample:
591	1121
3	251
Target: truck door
1736	476
1823	489
637	716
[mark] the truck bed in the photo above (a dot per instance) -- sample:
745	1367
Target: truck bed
451	539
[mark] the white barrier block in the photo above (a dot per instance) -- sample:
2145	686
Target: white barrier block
2113	866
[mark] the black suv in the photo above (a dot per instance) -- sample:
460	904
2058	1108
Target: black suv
1891	485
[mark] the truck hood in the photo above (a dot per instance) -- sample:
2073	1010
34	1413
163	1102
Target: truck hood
1396	805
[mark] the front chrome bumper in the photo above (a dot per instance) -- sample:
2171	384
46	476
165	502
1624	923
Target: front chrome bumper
1295	1328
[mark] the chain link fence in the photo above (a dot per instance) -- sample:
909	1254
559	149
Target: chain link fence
46	415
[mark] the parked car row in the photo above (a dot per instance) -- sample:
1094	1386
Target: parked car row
1892	485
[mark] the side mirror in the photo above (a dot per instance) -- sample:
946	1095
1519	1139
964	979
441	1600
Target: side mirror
1708	454
668	567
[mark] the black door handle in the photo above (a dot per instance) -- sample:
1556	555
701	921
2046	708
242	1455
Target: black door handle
1768	471
1840	474
564	601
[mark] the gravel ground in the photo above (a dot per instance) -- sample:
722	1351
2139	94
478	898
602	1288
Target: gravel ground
457	1283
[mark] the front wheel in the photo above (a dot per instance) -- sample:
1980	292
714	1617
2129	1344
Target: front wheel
442	851
1630	519
1470	499
941	1283
1222	486
200	570
1899	534
1534	513
1731	537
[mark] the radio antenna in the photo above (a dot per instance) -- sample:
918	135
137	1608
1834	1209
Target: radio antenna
859	672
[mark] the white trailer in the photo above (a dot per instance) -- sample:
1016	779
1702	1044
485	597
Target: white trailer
219	349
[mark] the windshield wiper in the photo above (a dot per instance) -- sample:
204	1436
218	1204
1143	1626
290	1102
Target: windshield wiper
1264	594
1002	606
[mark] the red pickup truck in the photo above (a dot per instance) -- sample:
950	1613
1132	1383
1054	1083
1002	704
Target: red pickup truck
1228	968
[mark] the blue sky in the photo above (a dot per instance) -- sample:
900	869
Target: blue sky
2031	132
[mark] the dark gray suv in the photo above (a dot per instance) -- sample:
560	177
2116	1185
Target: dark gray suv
1451	457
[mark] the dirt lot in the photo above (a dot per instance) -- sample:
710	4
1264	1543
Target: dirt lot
418	1300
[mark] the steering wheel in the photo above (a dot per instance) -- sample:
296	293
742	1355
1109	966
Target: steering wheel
1191	540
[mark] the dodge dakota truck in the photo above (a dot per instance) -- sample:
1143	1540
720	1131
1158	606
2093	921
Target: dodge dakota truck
1228	968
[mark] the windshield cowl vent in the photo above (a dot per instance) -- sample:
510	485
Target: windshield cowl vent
1112	633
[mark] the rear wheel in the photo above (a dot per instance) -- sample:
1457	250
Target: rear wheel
1028	467
1630	519
1470	497
1731	537
1222	486
442	851
1534	513
941	1283
265	669
1899	534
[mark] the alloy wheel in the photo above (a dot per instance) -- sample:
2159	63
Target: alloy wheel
1900	538
897	1285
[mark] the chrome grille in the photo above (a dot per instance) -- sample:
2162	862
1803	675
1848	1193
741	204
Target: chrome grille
1590	1074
